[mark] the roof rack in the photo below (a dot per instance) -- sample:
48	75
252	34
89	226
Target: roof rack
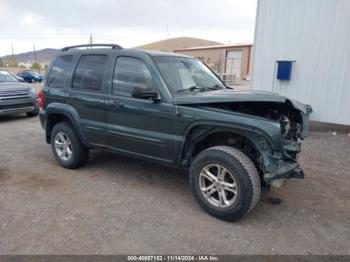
113	46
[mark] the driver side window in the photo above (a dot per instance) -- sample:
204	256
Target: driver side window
130	75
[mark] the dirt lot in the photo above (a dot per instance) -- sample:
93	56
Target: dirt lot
120	205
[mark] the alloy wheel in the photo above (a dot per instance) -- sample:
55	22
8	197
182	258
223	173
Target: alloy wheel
218	186
63	146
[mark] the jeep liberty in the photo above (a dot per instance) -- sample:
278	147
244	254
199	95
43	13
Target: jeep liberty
174	110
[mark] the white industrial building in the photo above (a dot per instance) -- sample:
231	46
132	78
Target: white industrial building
314	35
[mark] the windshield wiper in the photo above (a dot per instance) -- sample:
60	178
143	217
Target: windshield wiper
200	89
215	87
191	89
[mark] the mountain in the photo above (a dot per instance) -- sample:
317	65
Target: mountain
44	56
177	43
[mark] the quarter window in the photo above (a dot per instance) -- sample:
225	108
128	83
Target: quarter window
58	72
79	72
130	75
89	72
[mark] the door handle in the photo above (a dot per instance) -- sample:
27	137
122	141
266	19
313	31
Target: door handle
114	103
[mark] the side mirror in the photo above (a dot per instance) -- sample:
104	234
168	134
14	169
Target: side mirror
146	95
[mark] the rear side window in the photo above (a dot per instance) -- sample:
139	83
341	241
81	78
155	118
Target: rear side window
131	74
89	72
79	72
58	72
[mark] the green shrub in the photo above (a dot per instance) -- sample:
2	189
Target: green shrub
35	66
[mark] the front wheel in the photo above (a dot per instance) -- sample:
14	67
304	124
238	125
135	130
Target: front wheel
66	146
225	182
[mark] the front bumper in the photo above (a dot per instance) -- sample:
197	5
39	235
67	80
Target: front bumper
286	170
18	104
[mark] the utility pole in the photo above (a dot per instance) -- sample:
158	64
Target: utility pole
91	40
35	60
167	30
12	61
34	53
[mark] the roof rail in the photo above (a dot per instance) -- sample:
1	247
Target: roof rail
113	46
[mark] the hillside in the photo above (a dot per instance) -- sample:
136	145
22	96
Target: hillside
44	56
177	43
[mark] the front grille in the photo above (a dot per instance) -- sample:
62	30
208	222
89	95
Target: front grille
6	107
17	92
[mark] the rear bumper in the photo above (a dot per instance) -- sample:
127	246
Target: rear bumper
42	118
286	170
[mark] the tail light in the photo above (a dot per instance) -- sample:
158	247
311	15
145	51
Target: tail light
41	99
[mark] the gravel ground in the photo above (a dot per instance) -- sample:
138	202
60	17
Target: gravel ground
118	205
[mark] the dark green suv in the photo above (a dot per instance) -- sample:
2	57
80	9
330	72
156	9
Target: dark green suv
172	109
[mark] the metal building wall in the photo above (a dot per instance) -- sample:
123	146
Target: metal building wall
316	34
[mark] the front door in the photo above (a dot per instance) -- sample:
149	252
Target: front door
141	127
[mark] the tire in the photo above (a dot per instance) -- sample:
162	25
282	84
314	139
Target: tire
237	170
79	153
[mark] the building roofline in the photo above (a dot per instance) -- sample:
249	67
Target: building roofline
213	47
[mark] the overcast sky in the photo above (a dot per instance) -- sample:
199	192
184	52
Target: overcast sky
57	23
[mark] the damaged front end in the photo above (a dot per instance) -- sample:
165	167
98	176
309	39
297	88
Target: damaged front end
294	128
294	123
273	124
280	161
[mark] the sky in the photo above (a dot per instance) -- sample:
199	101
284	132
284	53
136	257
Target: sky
58	23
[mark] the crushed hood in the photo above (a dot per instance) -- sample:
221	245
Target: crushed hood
229	95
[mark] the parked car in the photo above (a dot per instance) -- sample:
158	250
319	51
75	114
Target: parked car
30	76
16	97
172	109
19	78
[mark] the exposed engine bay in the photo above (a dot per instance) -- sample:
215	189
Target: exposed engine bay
290	118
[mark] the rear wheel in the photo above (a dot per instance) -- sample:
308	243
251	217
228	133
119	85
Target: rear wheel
225	182
66	146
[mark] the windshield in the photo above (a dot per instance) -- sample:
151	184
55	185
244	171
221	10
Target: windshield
7	77
187	75
33	73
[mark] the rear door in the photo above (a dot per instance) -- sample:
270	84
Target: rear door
86	96
139	126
